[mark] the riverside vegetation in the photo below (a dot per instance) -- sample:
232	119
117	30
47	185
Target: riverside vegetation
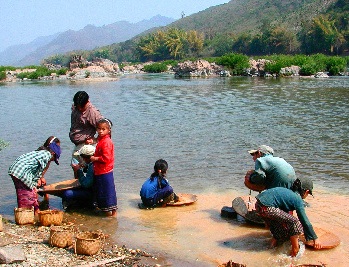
236	63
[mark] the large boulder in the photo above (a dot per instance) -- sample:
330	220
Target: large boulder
199	68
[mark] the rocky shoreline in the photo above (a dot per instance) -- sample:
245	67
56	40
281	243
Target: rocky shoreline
28	245
104	70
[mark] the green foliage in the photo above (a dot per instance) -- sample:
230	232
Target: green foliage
72	73
309	68
4	68
2	75
155	68
62	71
335	65
87	74
3	144
236	62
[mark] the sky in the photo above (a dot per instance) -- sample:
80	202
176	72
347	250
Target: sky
21	21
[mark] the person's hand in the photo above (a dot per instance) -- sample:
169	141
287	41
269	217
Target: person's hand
43	181
75	167
39	183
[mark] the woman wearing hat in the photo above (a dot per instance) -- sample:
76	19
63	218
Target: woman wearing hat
82	195
27	174
274	206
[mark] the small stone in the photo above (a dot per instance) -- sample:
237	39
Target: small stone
11	254
228	212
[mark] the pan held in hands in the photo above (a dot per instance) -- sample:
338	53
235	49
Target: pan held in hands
249	185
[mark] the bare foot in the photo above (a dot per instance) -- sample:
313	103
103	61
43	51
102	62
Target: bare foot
111	214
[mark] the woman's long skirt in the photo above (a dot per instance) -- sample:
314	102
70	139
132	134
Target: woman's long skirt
104	192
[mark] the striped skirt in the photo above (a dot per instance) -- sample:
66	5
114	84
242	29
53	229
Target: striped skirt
26	197
282	224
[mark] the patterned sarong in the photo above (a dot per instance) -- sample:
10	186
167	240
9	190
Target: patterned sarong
282	224
26	197
104	192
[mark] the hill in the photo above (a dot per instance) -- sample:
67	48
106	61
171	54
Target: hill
239	16
87	38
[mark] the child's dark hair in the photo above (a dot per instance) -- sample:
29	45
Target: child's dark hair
50	140
297	187
80	99
160	169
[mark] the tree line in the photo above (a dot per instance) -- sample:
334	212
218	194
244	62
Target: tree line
324	34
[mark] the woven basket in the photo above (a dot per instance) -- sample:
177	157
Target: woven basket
24	215
50	217
88	243
61	236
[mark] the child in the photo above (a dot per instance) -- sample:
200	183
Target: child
42	182
82	195
26	172
275	203
103	164
156	190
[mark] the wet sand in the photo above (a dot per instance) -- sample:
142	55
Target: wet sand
197	235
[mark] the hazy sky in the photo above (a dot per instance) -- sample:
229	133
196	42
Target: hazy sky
21	21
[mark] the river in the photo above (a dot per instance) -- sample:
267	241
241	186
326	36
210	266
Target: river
203	128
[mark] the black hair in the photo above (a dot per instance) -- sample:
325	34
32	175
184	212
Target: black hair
160	169
50	140
107	122
297	187
80	99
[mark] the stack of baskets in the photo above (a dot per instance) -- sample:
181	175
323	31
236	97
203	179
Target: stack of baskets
51	217
24	215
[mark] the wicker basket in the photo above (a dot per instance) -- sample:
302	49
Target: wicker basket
51	217
24	215
61	236
88	243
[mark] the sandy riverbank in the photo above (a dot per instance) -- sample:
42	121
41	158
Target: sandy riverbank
34	241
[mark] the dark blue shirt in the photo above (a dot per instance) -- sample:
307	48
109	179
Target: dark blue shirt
150	187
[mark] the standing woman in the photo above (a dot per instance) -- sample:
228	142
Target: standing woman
274	206
103	165
26	172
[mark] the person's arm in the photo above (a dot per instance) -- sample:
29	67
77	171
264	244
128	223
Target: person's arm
86	181
309	232
107	154
258	176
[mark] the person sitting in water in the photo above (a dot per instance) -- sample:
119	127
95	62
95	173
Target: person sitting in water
156	190
274	205
83	196
270	171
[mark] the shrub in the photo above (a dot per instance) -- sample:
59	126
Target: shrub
309	68
87	74
236	62
72	73
155	68
23	75
33	75
62	71
335	65
2	75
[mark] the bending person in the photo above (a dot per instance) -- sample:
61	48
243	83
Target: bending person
270	171
274	206
83	196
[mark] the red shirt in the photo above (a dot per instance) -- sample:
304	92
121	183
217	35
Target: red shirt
105	153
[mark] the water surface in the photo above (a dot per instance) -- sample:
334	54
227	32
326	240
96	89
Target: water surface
203	128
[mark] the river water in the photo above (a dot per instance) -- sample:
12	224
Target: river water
203	128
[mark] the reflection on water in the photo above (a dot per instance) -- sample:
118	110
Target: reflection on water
203	128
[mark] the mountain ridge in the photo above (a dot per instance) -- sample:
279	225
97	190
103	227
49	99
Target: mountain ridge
86	38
